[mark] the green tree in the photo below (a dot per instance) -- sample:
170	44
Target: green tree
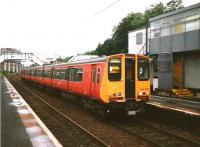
153	11
92	52
106	48
174	5
118	43
120	33
67	58
59	60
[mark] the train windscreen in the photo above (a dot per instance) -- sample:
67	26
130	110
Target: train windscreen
143	69
114	69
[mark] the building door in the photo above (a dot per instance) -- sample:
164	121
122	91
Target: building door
130	78
178	71
192	70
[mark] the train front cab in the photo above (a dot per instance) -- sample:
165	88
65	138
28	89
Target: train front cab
126	83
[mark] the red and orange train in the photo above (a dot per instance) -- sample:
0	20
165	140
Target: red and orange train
114	82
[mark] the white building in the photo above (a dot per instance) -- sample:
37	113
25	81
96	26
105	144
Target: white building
138	44
137	41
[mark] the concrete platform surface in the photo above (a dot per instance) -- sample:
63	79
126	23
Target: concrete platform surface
185	106
20	126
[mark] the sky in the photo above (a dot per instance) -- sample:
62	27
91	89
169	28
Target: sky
63	27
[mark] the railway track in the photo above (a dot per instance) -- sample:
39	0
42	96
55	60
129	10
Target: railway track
67	131
144	130
155	135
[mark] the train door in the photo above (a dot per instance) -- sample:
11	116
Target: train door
93	80
129	78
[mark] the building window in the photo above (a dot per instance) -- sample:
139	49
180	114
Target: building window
192	20
139	38
166	26
179	24
155	29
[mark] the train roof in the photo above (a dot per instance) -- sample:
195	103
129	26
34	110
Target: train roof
87	61
84	61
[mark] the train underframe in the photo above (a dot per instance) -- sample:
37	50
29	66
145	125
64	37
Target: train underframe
130	107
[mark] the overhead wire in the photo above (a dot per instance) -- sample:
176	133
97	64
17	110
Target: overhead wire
107	7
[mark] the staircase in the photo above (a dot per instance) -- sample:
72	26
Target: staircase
182	93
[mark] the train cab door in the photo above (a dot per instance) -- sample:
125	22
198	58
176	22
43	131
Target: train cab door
93	81
129	78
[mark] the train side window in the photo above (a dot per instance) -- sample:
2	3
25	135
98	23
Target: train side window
30	72
55	74
39	73
93	75
62	74
79	75
98	75
114	69
71	74
33	72
76	74
143	69
59	74
45	73
67	74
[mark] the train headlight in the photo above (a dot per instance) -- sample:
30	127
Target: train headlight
140	93
119	94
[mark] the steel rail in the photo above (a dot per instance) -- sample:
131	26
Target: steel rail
136	134
66	117
191	141
185	140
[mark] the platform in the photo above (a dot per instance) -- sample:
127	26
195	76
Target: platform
20	125
181	105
